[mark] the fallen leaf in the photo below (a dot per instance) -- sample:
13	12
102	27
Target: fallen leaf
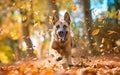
35	52
55	66
24	18
74	71
50	19
53	11
103	40
91	68
118	42
111	32
89	51
22	68
98	66
101	18
95	32
48	72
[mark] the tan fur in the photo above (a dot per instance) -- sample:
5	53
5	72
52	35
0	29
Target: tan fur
64	49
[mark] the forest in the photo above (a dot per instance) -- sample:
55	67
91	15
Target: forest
25	36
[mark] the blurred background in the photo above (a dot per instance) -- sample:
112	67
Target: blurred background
26	25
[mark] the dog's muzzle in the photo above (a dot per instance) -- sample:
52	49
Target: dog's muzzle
62	36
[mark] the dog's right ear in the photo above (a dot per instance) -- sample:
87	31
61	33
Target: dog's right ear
55	18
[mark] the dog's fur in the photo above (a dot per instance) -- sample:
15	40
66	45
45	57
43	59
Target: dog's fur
62	44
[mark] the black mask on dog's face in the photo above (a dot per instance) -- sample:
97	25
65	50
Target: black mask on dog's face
61	27
61	32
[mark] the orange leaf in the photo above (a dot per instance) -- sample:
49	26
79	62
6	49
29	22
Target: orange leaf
91	68
34	70
101	72
55	66
74	8
111	32
101	18
89	51
48	72
98	66
22	68
74	71
95	32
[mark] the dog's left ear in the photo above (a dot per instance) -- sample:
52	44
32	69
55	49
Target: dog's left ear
67	18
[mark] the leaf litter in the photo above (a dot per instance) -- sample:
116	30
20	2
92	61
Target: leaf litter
97	65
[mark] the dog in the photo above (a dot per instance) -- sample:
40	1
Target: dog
61	39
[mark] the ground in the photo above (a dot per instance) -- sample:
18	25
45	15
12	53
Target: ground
83	65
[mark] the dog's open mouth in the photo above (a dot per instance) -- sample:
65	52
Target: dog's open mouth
61	37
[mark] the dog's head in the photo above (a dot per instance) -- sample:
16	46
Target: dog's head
62	28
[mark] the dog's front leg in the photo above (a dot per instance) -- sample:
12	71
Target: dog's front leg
68	56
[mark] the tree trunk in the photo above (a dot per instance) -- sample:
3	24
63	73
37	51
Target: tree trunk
17	50
88	22
52	8
26	21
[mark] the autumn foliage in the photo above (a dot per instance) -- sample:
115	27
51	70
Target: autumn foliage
85	66
25	34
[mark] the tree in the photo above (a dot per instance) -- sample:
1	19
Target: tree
27	17
114	9
88	22
52	9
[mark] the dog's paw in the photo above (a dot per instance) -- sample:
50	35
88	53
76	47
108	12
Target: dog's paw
59	58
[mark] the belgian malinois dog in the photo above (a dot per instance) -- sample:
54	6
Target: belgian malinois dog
61	40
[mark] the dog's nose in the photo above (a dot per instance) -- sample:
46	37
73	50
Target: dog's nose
60	32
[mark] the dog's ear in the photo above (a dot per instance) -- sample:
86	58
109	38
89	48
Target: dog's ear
55	18
67	18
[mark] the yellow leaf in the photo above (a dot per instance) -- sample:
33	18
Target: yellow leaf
24	18
36	25
118	42
35	52
74	8
53	11
95	32
75	38
100	26
89	51
111	32
50	19
4	58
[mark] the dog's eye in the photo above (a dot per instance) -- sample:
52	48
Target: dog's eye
57	26
64	26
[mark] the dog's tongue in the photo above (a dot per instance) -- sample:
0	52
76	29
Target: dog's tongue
61	38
